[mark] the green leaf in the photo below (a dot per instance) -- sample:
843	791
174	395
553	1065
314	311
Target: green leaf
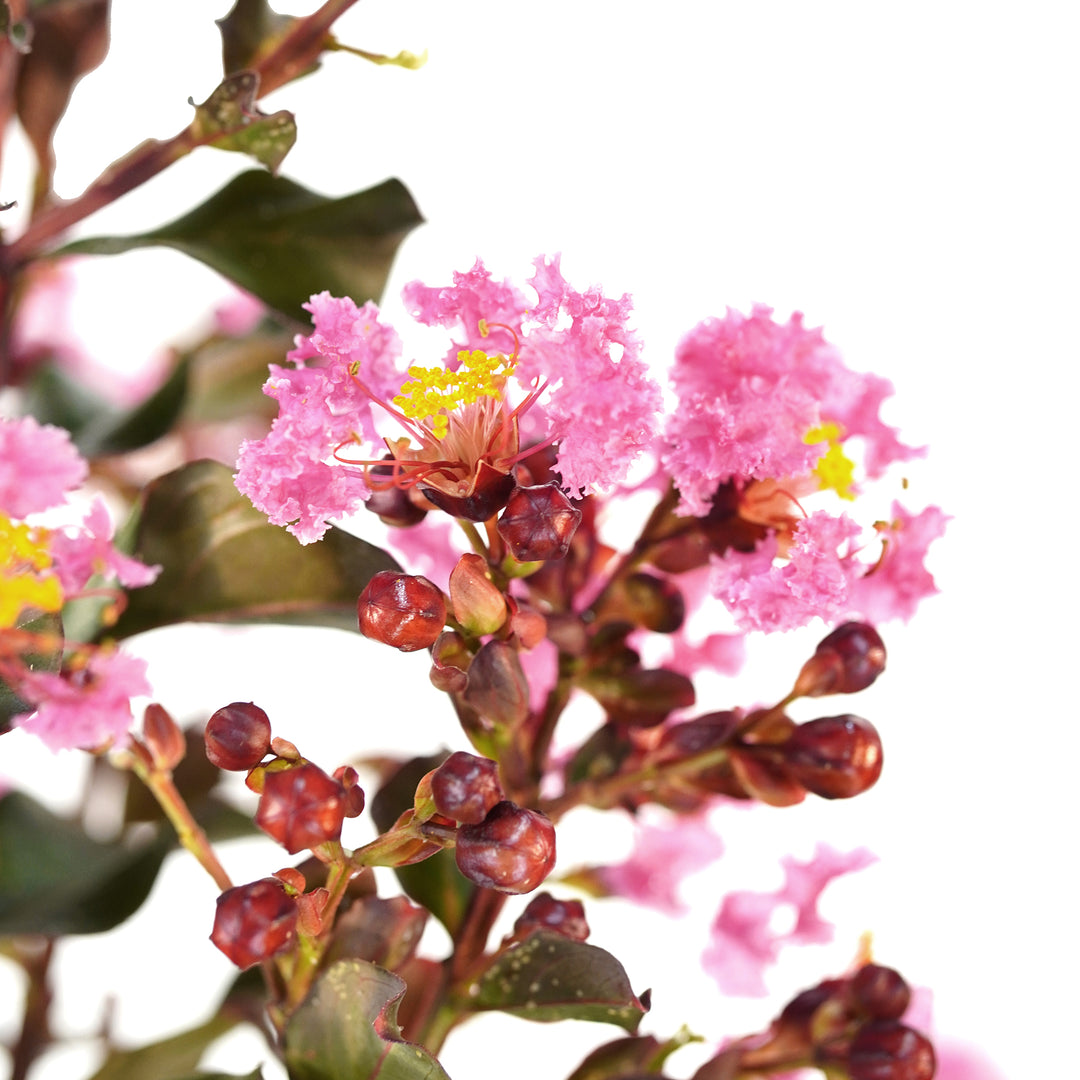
628	1057
170	1059
250	30
549	977
256	1075
54	397
223	562
347	1029
229	119
34	623
54	879
283	242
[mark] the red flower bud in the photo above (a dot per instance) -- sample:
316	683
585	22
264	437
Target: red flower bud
881	992
886	1050
403	610
238	736
301	807
163	738
478	605
538	523
846	661
511	850
253	922
465	787
544	912
835	757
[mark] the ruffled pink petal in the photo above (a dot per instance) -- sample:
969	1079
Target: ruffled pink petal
38	466
87	710
81	552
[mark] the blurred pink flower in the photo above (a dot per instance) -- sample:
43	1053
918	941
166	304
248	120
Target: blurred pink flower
85	550
38	466
84	709
663	856
900	580
743	941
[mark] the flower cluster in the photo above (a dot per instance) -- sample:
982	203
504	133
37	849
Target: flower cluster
81	693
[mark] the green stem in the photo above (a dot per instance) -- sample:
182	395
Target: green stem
160	785
476	541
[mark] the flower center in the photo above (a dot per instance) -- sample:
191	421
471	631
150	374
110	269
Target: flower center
835	470
431	394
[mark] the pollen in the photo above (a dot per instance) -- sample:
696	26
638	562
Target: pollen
26	576
835	470
431	394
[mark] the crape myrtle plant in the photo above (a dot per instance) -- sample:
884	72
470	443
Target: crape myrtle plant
497	467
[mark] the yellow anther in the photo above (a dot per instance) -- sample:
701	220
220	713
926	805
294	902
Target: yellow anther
433	393
26	577
835	470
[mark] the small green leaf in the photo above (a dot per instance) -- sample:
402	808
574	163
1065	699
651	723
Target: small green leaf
170	1059
223	562
549	977
347	1029
54	879
250	30
629	1057
229	119
283	242
53	397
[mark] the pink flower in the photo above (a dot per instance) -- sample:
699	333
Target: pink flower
958	1061
723	654
750	390
79	554
87	708
662	857
743	942
572	357
893	589
38	465
817	579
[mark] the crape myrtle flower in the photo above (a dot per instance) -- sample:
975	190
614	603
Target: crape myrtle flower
87	702
565	363
769	413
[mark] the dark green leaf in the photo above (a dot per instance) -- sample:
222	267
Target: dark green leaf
632	1056
54	879
383	931
549	977
222	561
249	31
346	1029
230	120
54	397
284	243
170	1059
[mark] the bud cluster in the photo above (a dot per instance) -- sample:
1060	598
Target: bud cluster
849	1026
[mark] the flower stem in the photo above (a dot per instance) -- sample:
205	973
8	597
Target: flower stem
160	785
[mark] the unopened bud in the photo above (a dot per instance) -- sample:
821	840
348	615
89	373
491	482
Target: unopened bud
498	689
465	787
846	661
565	917
253	922
527	624
349	779
835	757
301	807
887	1050
478	605
403	610
450	660
881	992
538	523
512	850
238	736
163	738
393	504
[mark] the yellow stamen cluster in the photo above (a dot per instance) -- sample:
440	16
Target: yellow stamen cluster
432	393
835	470
26	577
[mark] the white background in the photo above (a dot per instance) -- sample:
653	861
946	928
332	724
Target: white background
907	177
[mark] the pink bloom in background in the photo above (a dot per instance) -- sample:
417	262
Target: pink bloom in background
431	548
663	856
85	709
723	654
743	942
750	390
80	553
38	466
576	362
